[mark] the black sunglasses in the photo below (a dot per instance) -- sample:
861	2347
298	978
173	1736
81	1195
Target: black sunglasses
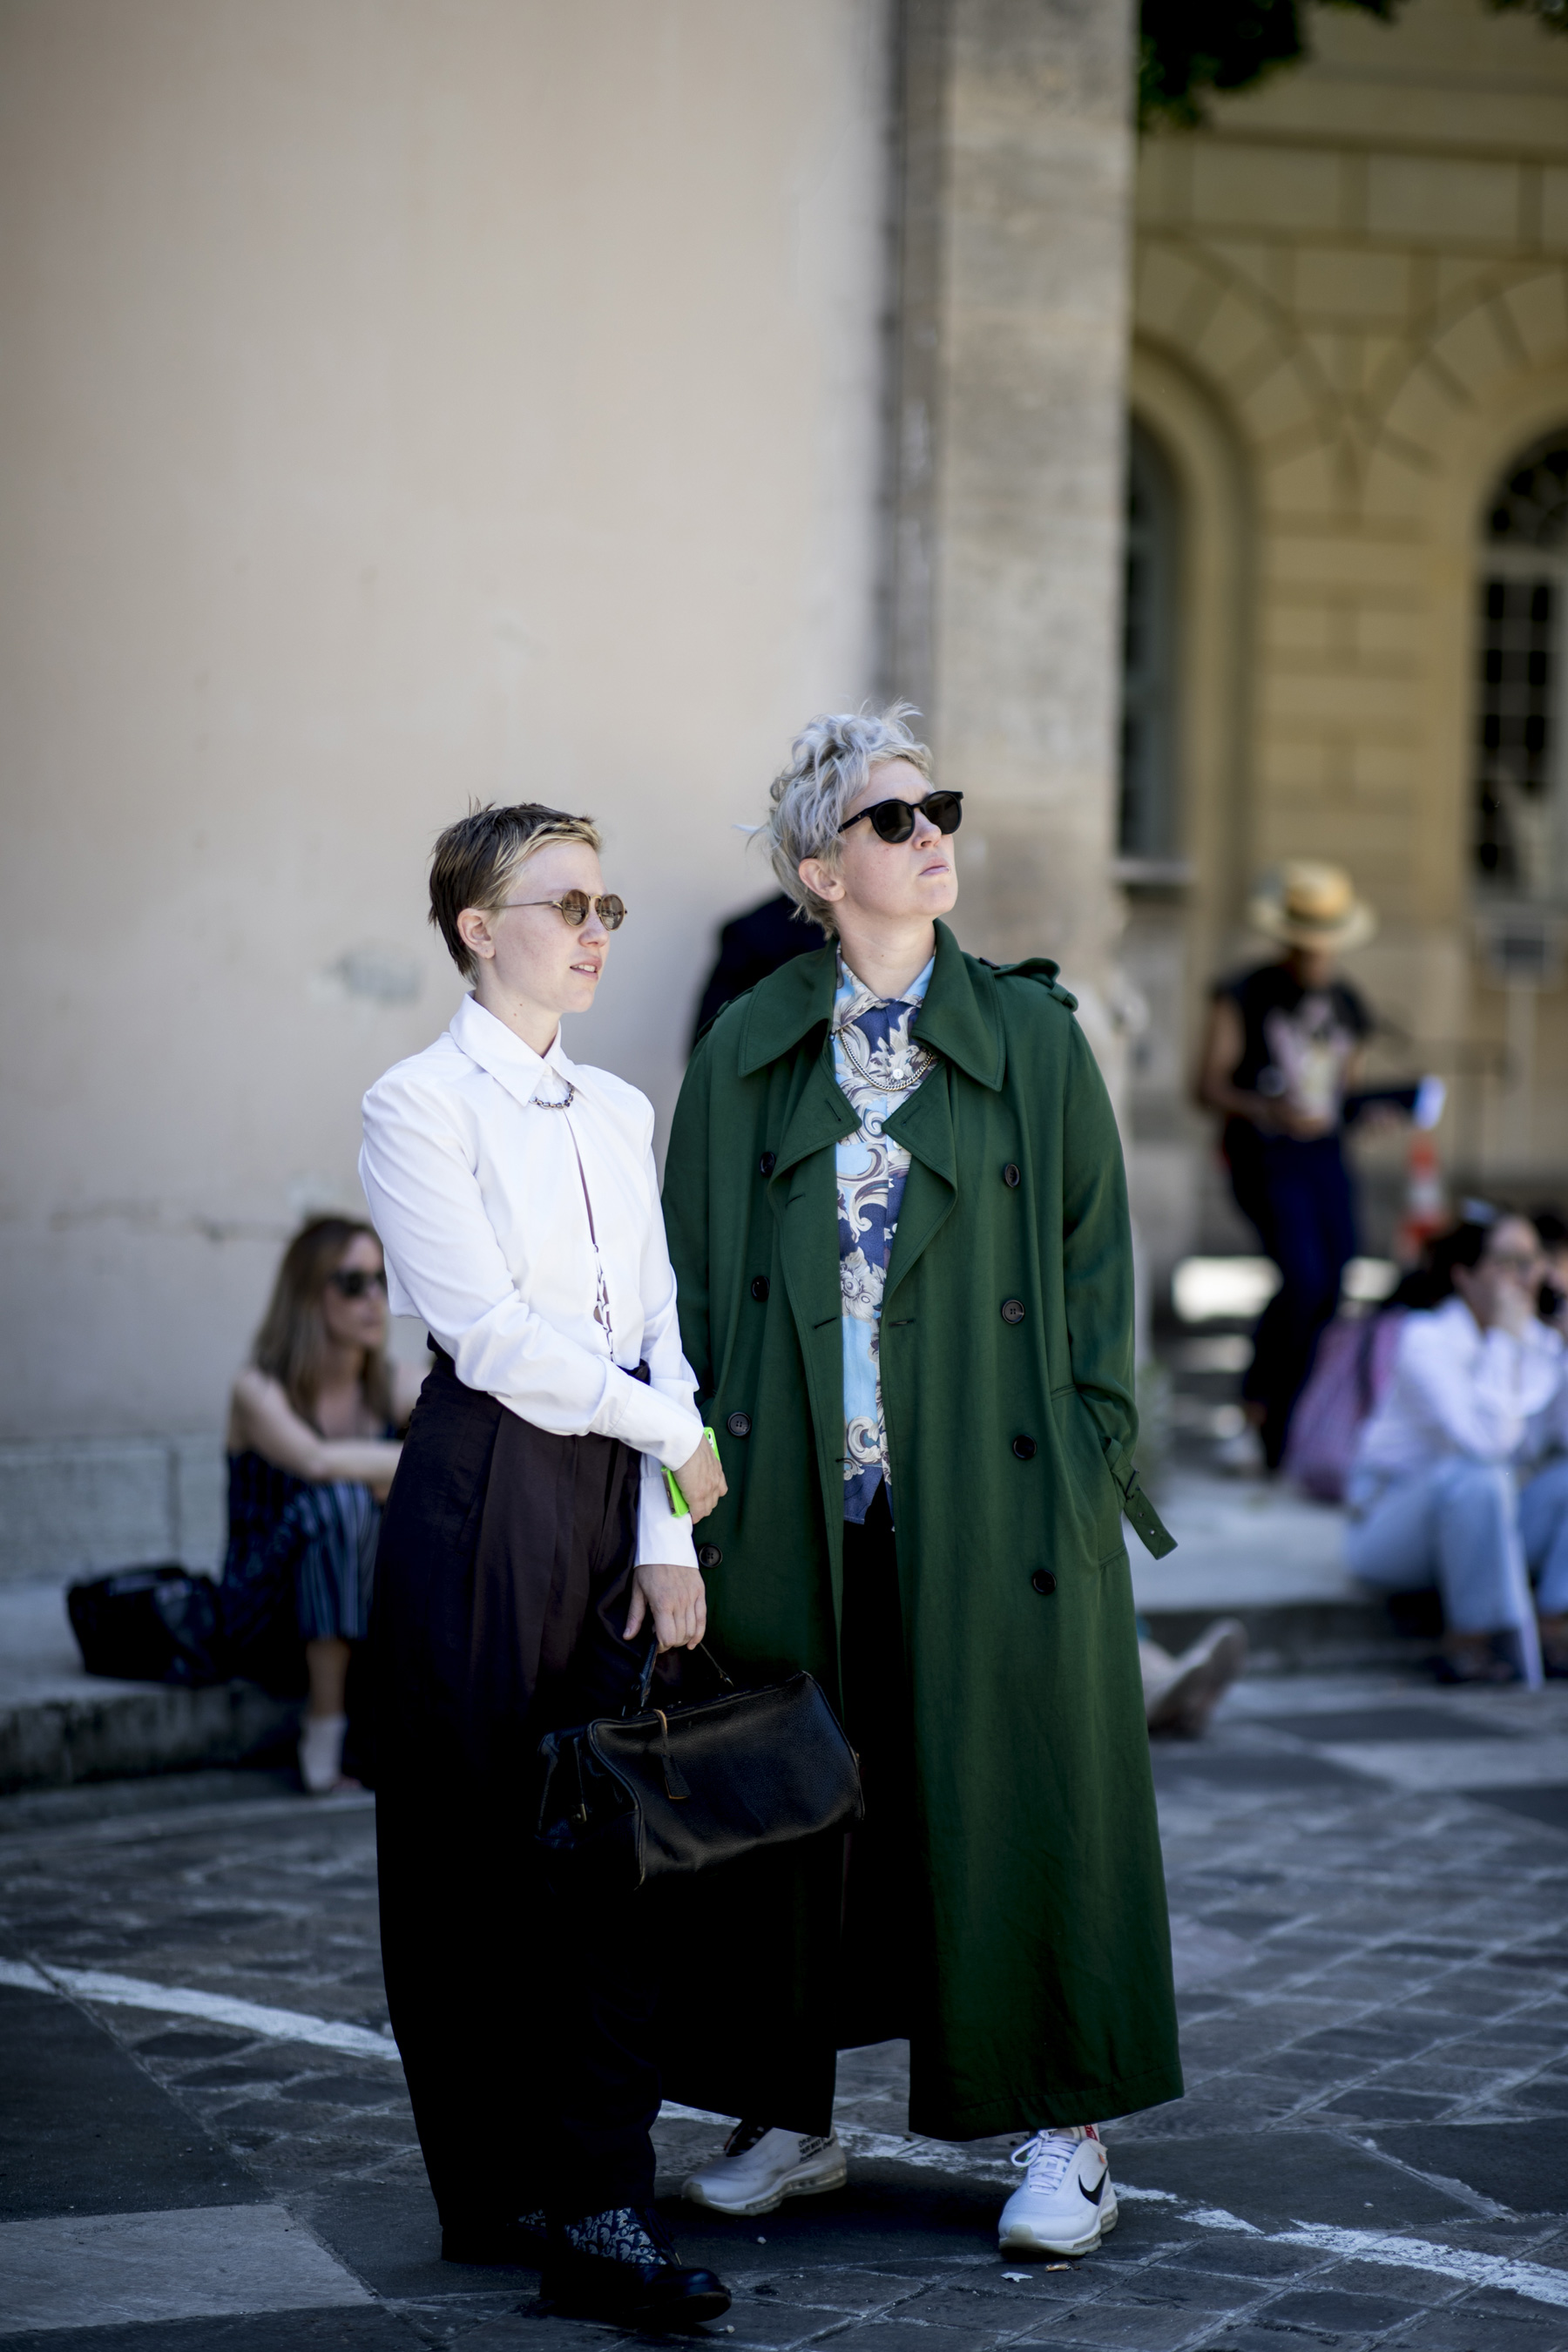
575	909
895	820
353	1282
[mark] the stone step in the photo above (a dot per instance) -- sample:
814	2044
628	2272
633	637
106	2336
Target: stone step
60	1724
1245	1549
1266	1554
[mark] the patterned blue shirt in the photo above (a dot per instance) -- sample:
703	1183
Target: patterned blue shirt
878	1064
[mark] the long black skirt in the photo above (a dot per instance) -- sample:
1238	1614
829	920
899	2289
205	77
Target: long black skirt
525	2020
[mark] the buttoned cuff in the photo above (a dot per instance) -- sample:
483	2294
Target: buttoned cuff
661	1536
648	1418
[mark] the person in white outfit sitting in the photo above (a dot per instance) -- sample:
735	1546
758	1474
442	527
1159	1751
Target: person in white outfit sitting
1433	1496
1543	1500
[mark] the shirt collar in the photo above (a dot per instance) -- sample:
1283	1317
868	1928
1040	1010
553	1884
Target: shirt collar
852	998
960	1016
500	1050
1536	1335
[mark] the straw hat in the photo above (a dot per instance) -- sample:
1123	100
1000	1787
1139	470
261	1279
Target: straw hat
1306	905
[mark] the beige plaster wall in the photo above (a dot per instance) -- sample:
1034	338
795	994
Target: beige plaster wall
400	402
1353	297
1007	455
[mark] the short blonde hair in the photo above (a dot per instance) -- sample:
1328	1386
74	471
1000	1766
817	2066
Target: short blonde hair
829	762
475	861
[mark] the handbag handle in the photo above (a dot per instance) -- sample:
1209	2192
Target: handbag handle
645	1685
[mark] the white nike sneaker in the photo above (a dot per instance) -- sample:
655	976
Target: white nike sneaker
761	2166
1067	2203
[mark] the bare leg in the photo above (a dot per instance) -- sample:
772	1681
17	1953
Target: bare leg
321	1739
327	1664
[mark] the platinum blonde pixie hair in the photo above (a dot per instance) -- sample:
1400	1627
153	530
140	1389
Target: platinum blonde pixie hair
829	762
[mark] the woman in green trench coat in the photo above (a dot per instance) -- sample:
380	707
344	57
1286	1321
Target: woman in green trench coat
957	1346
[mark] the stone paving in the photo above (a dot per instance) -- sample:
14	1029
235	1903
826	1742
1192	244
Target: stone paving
1374	2149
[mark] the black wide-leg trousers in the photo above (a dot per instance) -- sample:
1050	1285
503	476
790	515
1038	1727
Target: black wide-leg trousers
843	1958
878	1982
524	2018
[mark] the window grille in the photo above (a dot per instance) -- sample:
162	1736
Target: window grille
1148	817
1518	798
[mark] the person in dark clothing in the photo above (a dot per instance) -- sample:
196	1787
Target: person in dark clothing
1284	1045
750	948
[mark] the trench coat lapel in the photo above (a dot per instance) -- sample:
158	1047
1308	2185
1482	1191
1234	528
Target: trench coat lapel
960	1019
790	1019
923	1125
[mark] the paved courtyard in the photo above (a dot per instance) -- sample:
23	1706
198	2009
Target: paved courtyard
205	2140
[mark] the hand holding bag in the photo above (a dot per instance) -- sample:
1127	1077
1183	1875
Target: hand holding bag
663	1792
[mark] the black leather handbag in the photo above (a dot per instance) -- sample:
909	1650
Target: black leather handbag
150	1625
658	1792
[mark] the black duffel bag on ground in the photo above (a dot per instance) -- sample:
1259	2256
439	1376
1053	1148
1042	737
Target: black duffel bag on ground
663	1792
150	1625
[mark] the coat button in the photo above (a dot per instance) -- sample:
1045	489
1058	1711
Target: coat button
759	1287
738	1425
768	1162
1025	1448
1010	1176
709	1555
1043	1580
1012	1310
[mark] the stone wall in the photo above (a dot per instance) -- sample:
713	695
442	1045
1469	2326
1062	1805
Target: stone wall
1351	312
401	405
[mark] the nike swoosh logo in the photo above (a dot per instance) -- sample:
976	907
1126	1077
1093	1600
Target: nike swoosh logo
1092	2196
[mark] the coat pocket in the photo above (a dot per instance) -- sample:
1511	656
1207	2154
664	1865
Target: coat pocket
1092	1495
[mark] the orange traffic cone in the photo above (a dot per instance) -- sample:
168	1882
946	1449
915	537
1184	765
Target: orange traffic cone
1425	1200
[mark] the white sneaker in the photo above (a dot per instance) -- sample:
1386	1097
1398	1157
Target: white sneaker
761	2166
322	1752
1067	2203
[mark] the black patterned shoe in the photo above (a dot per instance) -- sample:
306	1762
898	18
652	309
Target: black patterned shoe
491	2245
621	2267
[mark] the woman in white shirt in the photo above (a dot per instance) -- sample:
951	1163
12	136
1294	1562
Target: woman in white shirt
527	1540
1433	1496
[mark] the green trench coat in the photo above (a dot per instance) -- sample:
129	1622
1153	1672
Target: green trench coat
1045	1995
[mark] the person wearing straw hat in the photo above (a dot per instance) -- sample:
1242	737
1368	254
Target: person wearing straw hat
1284	1043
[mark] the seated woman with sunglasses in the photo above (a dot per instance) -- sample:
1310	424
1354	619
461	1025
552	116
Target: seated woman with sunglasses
528	1539
311	1450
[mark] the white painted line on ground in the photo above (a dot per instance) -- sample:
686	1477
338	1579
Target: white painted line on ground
212	2008
1538	2281
1455	1768
1535	2280
107	2269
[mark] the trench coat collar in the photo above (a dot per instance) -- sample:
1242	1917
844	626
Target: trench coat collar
501	1053
960	1016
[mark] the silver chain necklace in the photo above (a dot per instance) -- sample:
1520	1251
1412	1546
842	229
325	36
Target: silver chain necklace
602	1289
920	1063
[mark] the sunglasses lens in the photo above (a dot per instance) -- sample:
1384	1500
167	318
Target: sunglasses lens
945	810
611	913
575	909
892	819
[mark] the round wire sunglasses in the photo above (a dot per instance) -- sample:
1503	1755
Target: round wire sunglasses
895	820
576	907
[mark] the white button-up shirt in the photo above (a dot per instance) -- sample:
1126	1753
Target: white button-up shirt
1460	1390
530	1242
